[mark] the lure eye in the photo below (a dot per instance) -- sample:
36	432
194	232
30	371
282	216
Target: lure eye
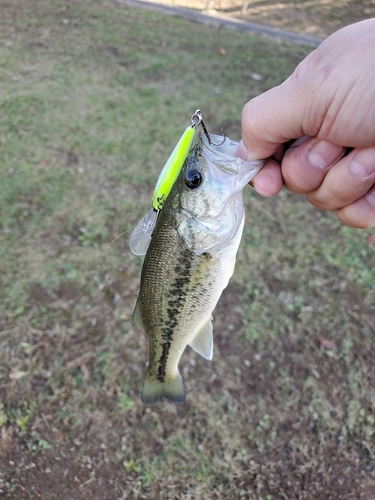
193	179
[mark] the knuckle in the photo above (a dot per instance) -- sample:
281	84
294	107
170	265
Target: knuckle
357	215
321	203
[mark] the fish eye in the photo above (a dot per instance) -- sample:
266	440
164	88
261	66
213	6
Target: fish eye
193	179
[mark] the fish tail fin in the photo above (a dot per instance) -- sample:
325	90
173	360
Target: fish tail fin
154	390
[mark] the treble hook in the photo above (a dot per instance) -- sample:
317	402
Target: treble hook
197	119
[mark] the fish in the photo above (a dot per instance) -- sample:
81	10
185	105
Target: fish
190	258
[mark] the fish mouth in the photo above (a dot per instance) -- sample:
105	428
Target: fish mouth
226	151
224	158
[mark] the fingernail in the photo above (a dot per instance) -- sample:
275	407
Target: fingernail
363	163
370	196
323	154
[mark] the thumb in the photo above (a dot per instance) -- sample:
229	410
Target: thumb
286	112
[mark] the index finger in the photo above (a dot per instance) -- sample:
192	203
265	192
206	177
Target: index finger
279	115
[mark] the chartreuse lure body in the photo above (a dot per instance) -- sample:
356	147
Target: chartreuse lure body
172	168
141	235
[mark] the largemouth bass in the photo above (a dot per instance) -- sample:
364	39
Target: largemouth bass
189	261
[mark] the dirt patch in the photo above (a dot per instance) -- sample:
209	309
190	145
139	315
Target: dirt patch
228	321
63	474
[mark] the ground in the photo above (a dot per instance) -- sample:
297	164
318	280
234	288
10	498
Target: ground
94	96
318	18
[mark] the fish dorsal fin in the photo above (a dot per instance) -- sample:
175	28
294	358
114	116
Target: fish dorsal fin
203	342
137	319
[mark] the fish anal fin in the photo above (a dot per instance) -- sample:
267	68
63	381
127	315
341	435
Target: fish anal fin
154	390
203	342
137	319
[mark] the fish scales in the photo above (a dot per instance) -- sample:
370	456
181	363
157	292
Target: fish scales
171	314
188	263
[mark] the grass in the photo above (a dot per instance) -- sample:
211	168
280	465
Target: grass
94	96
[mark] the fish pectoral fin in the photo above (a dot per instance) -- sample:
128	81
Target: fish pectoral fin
203	342
137	319
155	390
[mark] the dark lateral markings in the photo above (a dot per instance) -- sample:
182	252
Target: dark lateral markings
177	294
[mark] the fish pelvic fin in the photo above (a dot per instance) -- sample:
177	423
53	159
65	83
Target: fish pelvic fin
154	390
203	342
137	319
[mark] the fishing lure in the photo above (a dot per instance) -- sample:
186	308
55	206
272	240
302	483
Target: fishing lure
142	233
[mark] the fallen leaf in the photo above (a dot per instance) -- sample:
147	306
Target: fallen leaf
85	372
6	441
328	344
17	374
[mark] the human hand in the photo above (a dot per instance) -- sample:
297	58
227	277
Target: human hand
328	105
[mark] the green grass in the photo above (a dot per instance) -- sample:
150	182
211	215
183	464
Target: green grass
91	109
